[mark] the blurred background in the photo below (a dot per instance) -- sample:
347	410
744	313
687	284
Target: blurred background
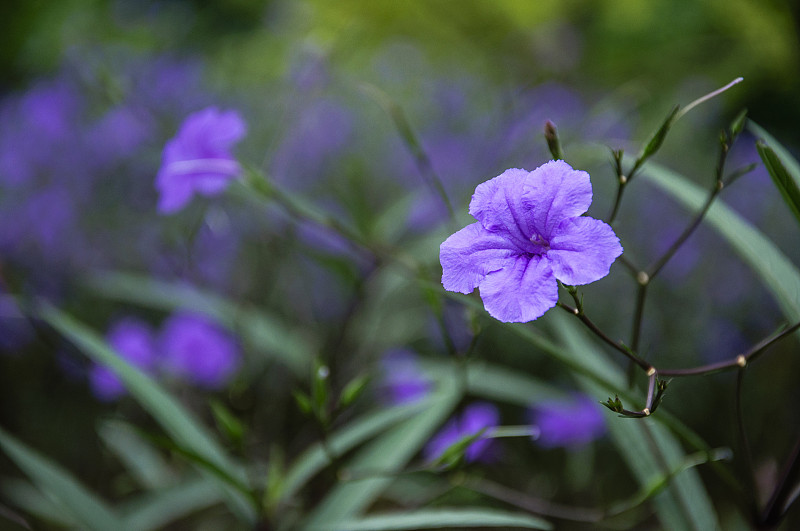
90	91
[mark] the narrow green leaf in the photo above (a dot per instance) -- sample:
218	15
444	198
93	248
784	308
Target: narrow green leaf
72	497
25	496
792	165
266	334
341	441
776	271
658	137
176	421
158	508
439	519
372	467
785	183
143	461
497	383
646	446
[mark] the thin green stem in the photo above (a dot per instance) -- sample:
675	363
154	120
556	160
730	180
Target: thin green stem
740	361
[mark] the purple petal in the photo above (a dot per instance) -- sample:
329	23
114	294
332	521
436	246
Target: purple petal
470	254
498	204
569	423
582	250
475	418
520	292
555	192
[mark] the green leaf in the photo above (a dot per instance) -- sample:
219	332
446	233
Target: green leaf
158	508
341	441
140	459
176	421
72	497
785	183
227	422
439	519
384	457
658	137
353	389
791	163
649	449
776	271
25	496
497	383
291	346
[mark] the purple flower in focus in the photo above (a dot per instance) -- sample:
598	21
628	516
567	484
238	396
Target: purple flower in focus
135	342
198	350
568	423
476	417
529	234
199	160
403	380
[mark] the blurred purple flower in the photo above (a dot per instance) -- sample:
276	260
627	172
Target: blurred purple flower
403	379
312	144
473	419
529	233
199	159
196	349
568	423
134	340
118	134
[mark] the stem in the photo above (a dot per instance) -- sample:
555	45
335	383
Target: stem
534	505
744	442
654	269
638	314
616	345
739	361
785	491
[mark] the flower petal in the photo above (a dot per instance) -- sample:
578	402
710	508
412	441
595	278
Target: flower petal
498	205
521	291
582	250
555	192
469	254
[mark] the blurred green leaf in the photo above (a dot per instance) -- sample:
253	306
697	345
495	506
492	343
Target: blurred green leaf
227	422
649	449
143	462
342	440
71	496
655	141
777	272
353	389
293	347
176	421
27	497
383	457
439	519
158	508
786	183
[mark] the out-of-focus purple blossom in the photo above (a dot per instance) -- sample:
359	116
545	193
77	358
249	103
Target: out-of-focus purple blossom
134	340
196	349
568	423
529	234
404	381
43	224
118	134
312	144
475	417
199	159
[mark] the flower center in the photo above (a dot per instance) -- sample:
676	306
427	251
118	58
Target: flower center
542	244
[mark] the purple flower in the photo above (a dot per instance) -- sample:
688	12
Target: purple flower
568	423
403	381
529	234
476	417
134	341
199	160
198	350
